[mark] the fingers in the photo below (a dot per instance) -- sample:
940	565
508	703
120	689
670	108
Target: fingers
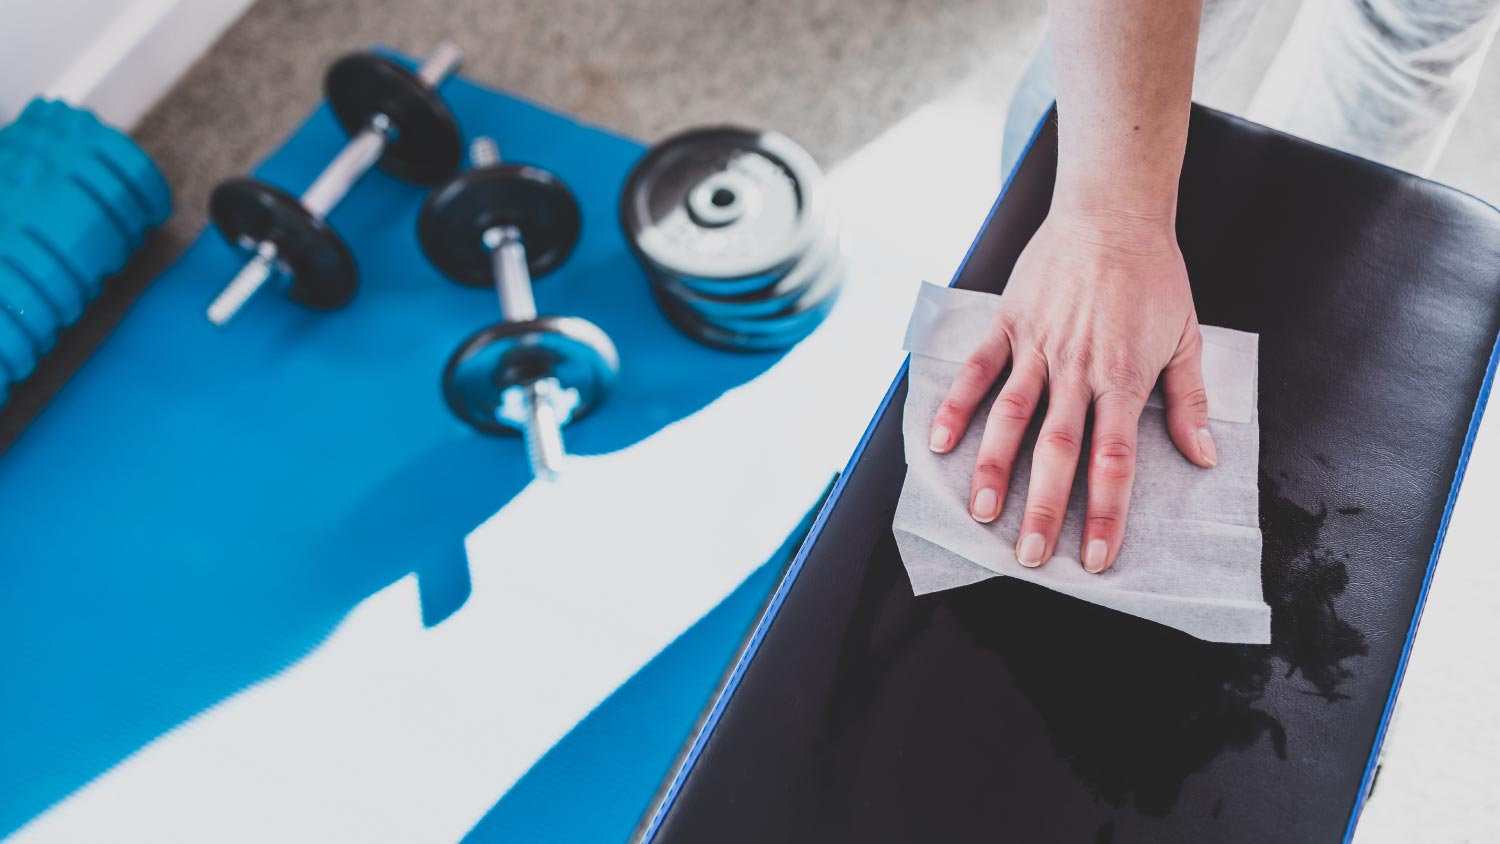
1111	472
1187	403
1053	464
1003	431
969	388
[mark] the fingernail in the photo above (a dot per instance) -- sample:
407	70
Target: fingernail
986	505
1095	556
942	439
1030	552
1206	447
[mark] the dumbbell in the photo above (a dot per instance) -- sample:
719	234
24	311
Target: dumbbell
503	225
395	119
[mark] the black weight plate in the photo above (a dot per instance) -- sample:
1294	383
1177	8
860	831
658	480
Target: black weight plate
674	218
424	145
763	285
781	294
739	286
322	271
455	217
711	335
574	351
787	335
812	305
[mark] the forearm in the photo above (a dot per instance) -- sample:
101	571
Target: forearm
1124	71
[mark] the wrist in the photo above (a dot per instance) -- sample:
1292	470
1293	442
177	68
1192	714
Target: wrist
1140	203
1133	228
1132	184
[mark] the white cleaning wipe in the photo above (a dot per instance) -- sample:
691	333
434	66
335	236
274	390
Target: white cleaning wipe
1191	556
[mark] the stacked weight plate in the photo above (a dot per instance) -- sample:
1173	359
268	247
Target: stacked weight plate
730	226
76	199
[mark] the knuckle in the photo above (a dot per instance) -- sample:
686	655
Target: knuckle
952	407
1043	513
1195	400
1005	324
1192	343
1124	376
1060	439
1074	359
1120	400
977	372
1013	407
1105	521
1038	355
1113	457
988	465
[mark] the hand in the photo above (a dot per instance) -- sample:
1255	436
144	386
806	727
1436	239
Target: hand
1096	308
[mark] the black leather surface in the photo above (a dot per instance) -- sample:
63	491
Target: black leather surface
1006	713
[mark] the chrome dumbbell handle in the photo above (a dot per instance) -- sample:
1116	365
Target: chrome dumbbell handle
346	168
245	284
543	431
512	275
507	249
540	400
542	428
328	189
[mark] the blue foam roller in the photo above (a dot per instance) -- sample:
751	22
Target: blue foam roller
135	169
85	236
123	179
40	265
76	199
17	351
29	308
68	140
118	200
51	131
149	189
22	171
6	376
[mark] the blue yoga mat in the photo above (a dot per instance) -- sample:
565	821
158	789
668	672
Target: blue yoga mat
198	508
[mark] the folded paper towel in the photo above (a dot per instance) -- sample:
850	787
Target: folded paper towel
1191	556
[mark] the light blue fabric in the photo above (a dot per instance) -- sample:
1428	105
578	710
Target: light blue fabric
198	508
1382	79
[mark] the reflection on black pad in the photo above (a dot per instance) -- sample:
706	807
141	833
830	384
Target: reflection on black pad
1004	712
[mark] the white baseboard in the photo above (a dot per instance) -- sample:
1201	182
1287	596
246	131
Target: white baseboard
141	55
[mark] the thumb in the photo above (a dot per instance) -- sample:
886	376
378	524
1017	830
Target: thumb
1187	403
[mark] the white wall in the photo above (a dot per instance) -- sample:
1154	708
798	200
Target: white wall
117	58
